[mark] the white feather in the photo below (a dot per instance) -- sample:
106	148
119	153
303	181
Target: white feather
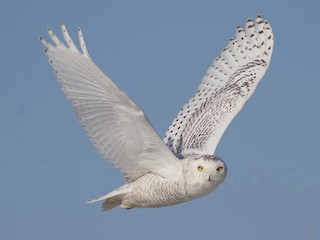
224	90
114	123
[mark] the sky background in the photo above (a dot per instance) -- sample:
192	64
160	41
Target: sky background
157	52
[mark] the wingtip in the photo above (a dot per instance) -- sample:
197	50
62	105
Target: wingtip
249	20
50	31
63	26
259	19
43	41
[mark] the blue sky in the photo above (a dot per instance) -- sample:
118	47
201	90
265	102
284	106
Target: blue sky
157	52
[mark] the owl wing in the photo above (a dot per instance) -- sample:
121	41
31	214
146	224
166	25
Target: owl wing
224	90
114	123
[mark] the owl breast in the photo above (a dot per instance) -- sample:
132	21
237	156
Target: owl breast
151	191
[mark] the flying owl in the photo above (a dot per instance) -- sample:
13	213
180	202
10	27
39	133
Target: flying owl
182	167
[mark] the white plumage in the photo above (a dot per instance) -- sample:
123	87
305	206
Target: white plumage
229	83
160	175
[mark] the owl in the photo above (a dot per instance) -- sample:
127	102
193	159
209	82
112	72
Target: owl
181	167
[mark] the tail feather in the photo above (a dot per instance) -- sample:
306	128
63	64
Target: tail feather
113	199
112	202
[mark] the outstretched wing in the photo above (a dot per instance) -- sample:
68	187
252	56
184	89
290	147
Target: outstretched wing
114	123
224	90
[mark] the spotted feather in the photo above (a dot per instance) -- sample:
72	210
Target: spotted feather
229	83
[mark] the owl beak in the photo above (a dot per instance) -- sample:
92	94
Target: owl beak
209	179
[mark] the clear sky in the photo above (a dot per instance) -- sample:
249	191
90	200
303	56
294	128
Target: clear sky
157	52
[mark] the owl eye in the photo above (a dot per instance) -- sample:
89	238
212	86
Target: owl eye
200	168
219	169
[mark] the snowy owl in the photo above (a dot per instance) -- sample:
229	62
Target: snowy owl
182	167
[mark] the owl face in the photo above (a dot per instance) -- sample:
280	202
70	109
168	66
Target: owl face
204	174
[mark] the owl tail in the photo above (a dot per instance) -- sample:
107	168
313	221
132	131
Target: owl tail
112	202
113	199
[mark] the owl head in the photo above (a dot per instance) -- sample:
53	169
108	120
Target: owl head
203	174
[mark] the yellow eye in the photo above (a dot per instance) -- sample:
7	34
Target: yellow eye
219	169
200	168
